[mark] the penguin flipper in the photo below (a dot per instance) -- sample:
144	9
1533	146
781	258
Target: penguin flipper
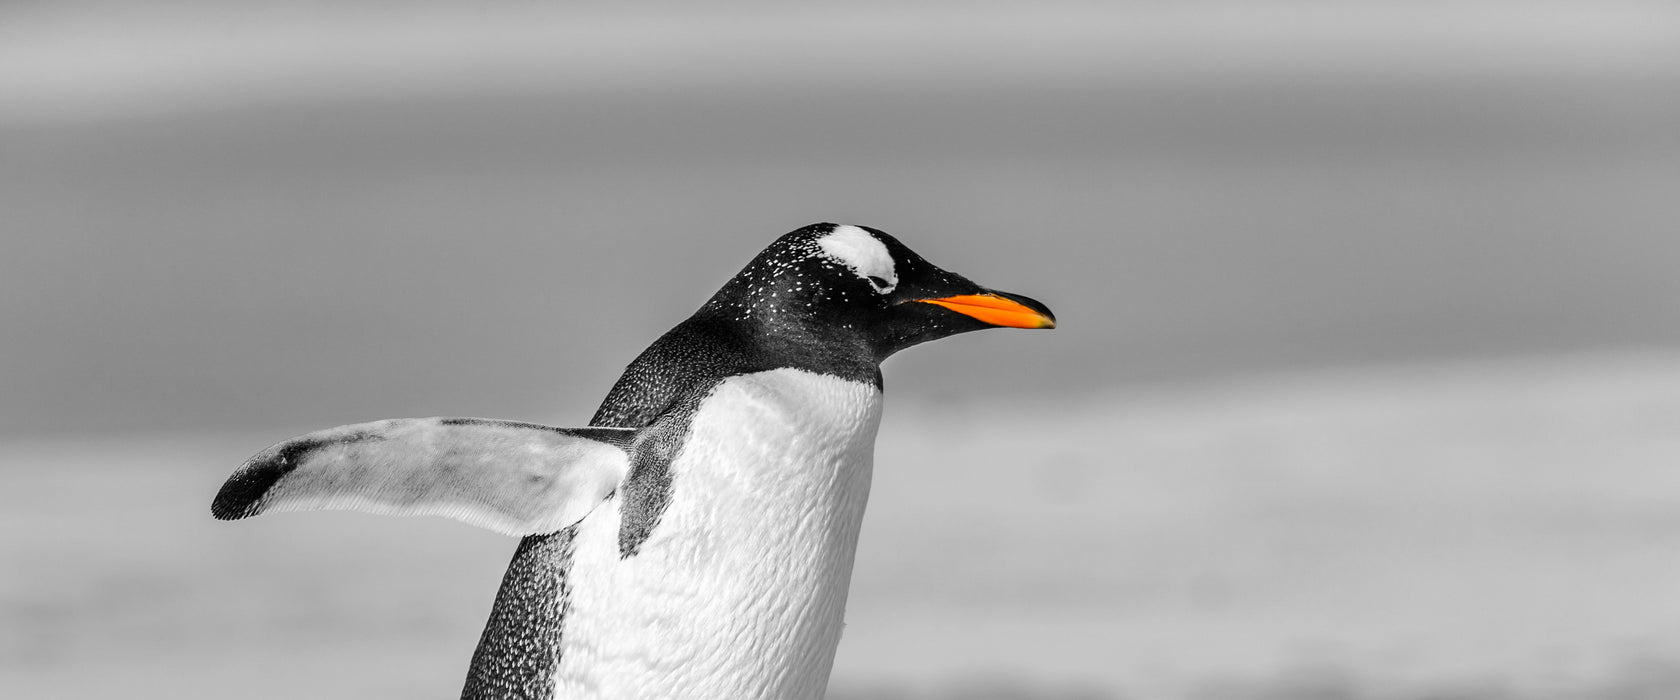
505	476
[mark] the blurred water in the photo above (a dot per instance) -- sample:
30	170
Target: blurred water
325	262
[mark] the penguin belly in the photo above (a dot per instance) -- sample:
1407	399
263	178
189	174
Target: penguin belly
740	590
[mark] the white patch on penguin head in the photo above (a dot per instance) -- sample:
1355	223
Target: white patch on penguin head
864	254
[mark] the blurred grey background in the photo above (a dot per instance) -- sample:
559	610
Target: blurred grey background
1367	384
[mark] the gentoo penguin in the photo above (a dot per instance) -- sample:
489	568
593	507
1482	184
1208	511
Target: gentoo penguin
696	541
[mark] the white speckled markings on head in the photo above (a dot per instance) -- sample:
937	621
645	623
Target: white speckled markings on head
864	254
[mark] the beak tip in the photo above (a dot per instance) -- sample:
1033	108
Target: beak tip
1044	317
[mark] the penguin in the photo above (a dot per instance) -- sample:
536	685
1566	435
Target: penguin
696	540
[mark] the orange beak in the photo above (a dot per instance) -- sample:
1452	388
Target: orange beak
996	310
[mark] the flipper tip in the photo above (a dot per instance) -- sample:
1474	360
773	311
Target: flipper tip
241	496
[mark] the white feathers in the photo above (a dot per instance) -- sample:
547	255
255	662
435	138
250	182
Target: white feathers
864	254
740	591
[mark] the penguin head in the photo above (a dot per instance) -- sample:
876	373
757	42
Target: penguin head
835	284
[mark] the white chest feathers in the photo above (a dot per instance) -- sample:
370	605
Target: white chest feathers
740	591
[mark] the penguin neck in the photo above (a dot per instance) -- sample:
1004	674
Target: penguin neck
771	340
